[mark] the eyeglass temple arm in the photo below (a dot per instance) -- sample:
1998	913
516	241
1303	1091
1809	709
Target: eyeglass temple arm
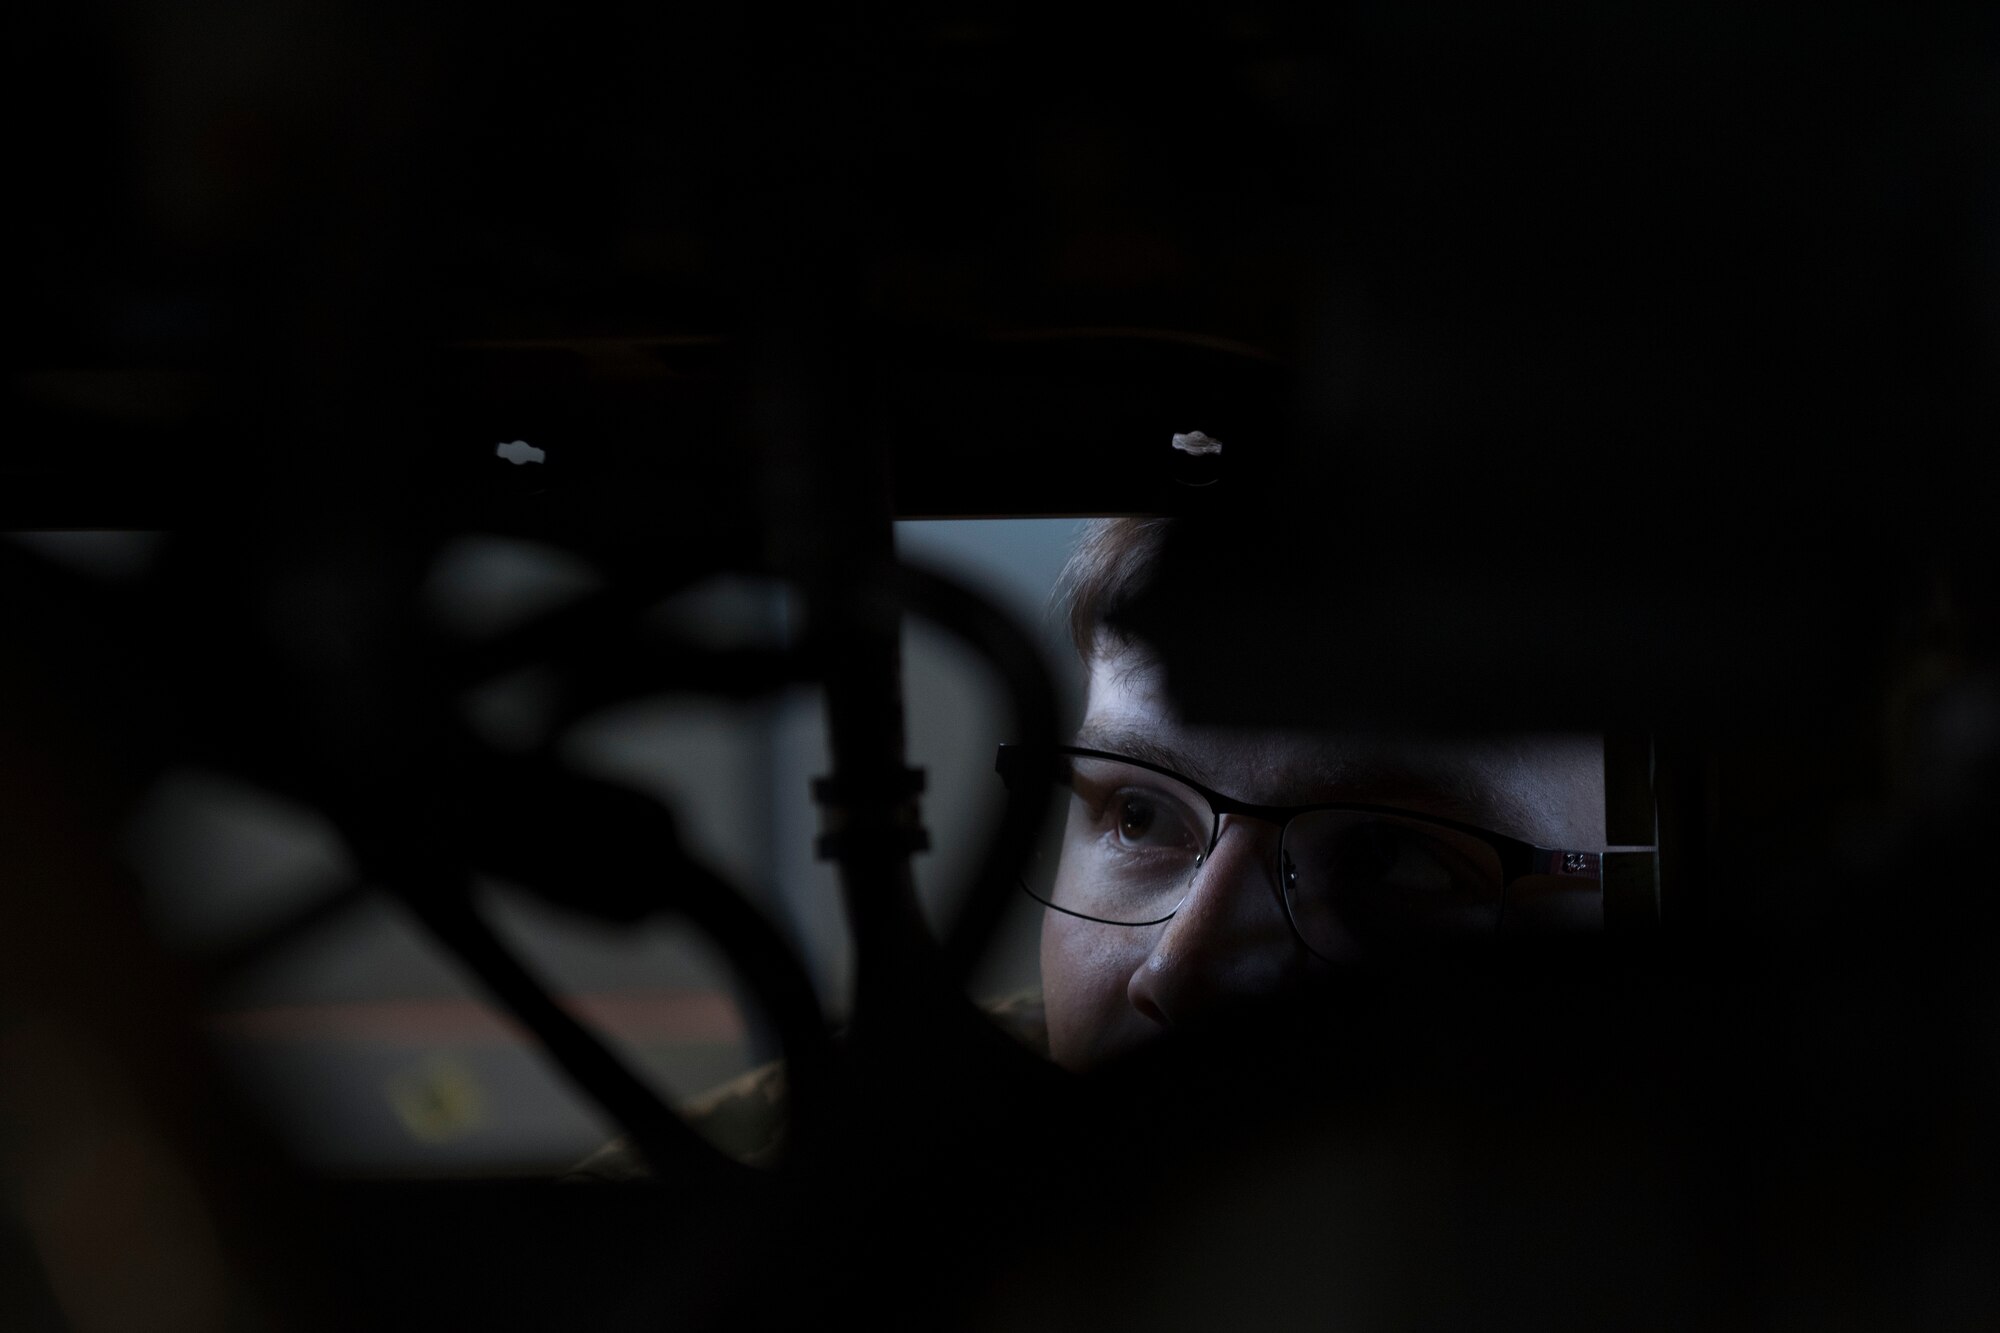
1559	879
1567	864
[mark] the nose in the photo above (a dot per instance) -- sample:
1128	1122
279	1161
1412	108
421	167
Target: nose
1231	941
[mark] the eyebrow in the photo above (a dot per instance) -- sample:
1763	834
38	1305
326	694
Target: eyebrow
1139	745
1450	795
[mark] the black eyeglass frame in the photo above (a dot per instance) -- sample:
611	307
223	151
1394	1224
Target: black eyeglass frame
1518	859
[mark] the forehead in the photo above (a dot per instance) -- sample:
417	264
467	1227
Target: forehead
1546	789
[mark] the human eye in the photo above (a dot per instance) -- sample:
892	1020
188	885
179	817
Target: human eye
1139	818
1423	866
1130	814
1391	856
1394	869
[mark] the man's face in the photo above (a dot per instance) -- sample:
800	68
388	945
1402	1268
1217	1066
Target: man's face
1110	988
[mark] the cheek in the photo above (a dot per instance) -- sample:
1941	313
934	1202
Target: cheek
1085	970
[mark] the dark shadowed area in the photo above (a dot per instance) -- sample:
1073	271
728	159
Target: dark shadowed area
528	526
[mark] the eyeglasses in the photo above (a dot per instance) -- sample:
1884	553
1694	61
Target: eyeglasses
1356	878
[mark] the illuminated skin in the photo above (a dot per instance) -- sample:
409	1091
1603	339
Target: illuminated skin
1111	988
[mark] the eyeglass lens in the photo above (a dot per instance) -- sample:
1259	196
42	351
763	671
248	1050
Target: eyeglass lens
1133	841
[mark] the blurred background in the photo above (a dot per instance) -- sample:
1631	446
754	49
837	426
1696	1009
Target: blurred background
367	1045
